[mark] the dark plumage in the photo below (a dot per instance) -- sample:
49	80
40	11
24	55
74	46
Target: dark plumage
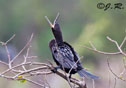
64	55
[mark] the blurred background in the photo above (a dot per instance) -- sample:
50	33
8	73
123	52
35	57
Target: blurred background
81	21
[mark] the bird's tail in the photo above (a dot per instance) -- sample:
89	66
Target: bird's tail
84	73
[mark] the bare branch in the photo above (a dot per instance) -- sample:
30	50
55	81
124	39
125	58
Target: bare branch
114	72
1	62
92	45
6	48
119	48
93	82
124	63
5	43
35	68
115	83
101	52
124	40
108	53
23	48
120	51
75	81
10	39
38	84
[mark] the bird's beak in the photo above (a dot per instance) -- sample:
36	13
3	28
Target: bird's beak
52	26
55	21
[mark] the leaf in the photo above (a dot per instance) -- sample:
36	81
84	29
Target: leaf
20	78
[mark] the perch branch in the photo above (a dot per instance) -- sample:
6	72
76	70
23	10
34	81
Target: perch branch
120	51
35	68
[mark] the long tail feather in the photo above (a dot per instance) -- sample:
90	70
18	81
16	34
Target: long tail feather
86	74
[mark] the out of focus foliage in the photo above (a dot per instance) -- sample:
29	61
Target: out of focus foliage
81	21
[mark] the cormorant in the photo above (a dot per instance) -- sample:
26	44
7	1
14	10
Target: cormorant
64	55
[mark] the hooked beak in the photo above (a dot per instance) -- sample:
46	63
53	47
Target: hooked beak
55	21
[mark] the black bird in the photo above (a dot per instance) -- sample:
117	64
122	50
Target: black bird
64	55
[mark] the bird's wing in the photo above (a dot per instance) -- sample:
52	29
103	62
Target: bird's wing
77	59
66	57
76	56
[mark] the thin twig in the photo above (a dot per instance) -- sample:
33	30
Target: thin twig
119	48
73	66
93	82
23	48
10	39
31	70
75	81
109	80
92	45
1	62
38	84
114	72
36	68
115	83
124	63
101	52
6	48
123	42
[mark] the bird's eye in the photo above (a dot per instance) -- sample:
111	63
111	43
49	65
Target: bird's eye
55	51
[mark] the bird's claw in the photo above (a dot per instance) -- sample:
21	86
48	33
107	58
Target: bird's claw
54	70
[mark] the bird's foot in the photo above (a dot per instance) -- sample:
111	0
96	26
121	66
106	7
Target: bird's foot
54	70
70	76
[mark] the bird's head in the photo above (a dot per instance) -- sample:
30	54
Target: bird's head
56	29
52	43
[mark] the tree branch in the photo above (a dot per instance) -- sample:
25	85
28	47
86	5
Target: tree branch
35	68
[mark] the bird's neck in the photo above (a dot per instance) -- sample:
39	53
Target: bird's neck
60	43
58	36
